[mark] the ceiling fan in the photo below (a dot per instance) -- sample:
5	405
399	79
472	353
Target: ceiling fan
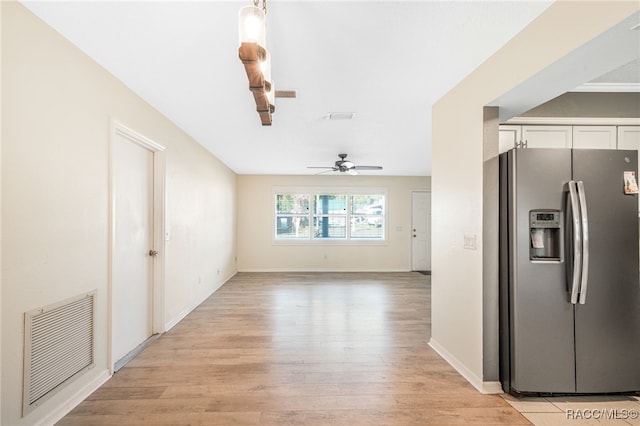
345	166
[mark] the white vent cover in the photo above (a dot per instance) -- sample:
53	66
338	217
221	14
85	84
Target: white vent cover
341	115
58	346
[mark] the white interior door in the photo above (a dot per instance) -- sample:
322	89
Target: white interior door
132	263
421	231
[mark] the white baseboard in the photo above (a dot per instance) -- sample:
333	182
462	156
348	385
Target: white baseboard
470	376
58	413
492	387
174	321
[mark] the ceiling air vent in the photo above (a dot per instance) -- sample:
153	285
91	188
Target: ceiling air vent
341	115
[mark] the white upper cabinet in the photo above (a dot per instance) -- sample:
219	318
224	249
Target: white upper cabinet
547	136
629	137
577	136
516	136
509	137
594	137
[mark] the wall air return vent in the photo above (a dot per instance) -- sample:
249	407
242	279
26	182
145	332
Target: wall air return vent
58	346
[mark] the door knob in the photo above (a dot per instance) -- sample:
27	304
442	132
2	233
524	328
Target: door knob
152	252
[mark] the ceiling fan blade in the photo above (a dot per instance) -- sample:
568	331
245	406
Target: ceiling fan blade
344	166
367	167
326	171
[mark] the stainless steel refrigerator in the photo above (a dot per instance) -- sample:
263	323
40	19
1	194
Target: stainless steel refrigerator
569	272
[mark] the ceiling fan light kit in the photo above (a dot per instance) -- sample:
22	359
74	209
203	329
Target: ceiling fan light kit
345	166
256	59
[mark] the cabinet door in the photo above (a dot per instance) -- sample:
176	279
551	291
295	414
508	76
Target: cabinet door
547	136
594	137
509	136
629	137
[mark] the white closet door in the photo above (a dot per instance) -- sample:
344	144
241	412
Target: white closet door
133	239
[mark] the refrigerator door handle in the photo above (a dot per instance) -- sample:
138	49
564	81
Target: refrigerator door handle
585	243
577	242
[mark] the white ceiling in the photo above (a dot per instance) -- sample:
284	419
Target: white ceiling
387	61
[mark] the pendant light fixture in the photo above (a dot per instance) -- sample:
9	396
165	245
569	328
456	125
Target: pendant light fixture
255	58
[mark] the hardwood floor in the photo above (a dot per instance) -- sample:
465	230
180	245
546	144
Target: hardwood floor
297	349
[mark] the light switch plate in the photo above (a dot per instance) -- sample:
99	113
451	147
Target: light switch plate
470	242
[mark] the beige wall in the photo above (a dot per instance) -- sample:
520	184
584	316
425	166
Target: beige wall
586	104
57	107
256	251
458	172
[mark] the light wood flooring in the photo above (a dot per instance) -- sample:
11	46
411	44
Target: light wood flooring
298	349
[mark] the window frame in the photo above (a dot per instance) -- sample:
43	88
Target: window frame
311	192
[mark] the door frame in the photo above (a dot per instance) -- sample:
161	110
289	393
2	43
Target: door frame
411	222
158	269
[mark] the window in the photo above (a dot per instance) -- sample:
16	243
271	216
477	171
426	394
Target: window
329	216
367	216
292	216
317	216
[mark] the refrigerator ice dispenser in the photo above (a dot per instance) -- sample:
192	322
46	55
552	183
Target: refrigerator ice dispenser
545	228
